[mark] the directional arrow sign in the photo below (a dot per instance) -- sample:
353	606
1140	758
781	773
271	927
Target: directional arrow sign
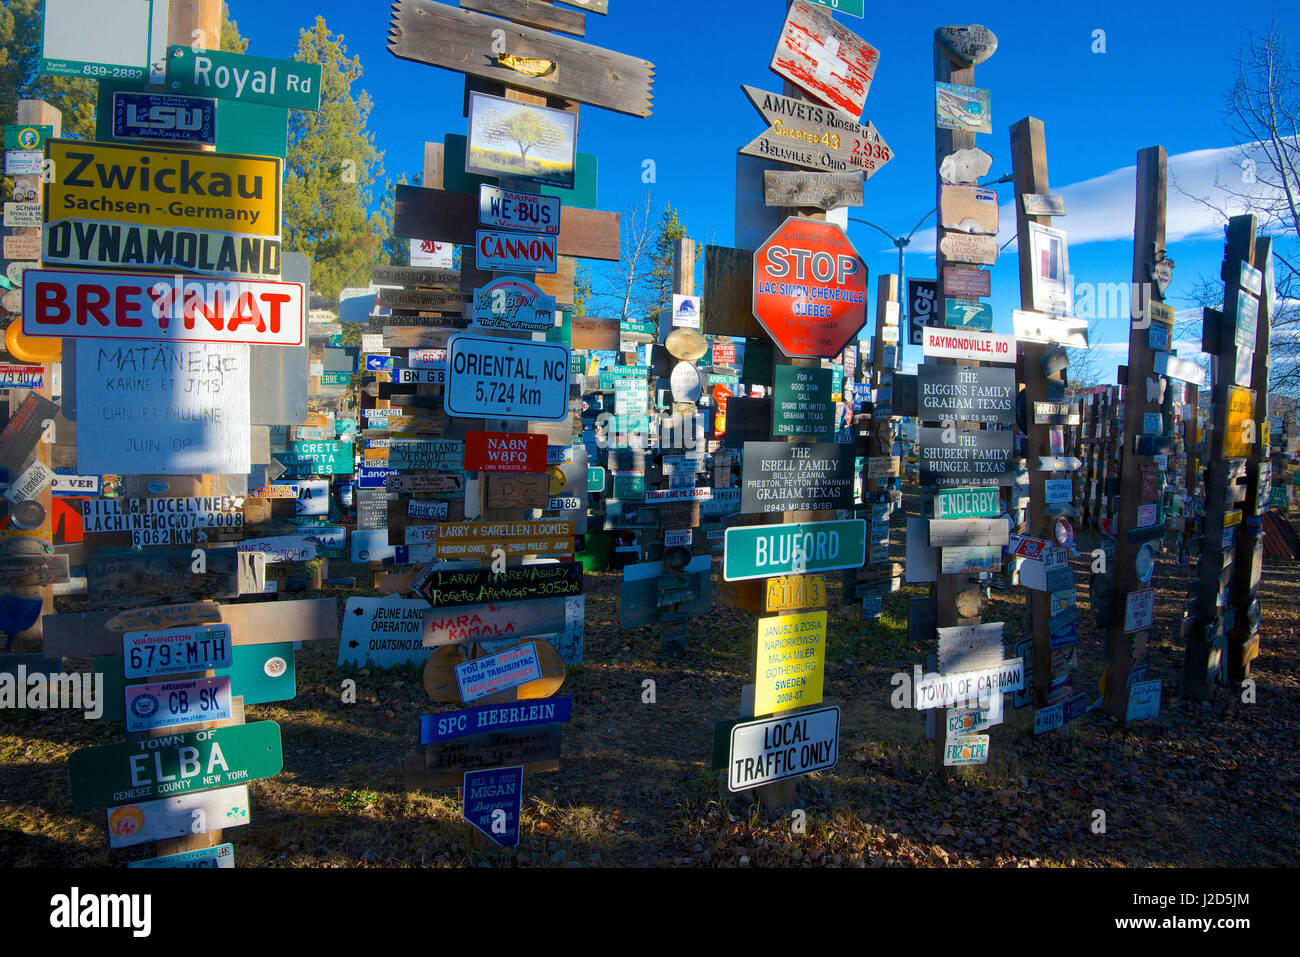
1056	463
805	134
1163	363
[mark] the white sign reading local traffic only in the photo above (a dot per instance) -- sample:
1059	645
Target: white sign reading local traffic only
774	749
507	378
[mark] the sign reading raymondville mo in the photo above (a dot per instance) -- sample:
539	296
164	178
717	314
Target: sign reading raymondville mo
133	207
175	764
760	551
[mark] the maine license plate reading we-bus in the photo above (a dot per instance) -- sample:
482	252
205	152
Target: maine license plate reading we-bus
176	650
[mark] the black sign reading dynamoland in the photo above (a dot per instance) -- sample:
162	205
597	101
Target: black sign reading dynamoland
780	477
479	586
983	394
973	457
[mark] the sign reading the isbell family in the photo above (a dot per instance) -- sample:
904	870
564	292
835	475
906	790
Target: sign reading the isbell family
781	477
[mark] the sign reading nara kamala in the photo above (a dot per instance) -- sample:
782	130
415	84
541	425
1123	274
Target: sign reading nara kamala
507	378
134	207
171	308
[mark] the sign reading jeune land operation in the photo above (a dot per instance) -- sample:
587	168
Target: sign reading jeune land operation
781	477
131	207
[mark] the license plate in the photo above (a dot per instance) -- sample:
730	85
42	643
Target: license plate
175	651
173	703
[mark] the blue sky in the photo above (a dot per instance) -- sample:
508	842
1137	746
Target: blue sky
1160	81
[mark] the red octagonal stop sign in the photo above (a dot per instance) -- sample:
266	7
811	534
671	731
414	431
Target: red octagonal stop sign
810	289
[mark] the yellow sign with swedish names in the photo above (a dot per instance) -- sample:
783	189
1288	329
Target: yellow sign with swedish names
791	662
133	207
1241	424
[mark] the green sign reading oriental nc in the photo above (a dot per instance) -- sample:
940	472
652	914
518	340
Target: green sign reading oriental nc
174	764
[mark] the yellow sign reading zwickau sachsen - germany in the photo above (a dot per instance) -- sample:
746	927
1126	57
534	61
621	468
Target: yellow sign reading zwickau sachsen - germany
127	207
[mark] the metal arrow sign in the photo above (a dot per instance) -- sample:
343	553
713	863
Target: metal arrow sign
803	133
1056	463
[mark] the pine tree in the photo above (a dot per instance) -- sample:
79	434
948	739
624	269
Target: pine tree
231	41
330	171
659	281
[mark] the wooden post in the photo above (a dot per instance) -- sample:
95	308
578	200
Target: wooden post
1207	645
36	113
947	587
1029	167
1243	641
1148	239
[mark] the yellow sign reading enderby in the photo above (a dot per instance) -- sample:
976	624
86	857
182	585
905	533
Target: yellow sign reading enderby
128	206
1241	410
791	662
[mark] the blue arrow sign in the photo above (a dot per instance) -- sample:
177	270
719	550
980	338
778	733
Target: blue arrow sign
493	800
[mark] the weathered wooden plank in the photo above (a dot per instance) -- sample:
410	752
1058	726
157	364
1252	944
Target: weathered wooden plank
462	41
431	300
517	491
595	334
260	623
131	579
951	532
729	294
29	570
417	277
812	190
826	59
532	14
421	213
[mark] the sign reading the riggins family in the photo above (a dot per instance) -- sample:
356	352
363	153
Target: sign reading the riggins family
170	308
810	289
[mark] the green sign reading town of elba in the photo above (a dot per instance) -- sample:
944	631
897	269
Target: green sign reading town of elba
967	503
174	764
759	551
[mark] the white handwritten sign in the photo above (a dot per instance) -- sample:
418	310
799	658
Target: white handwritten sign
163	408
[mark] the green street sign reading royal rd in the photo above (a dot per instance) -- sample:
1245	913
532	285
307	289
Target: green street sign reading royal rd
175	764
760	551
248	79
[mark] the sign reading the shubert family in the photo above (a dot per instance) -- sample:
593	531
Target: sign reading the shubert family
131	207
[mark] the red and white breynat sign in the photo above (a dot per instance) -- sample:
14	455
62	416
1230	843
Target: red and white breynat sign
170	308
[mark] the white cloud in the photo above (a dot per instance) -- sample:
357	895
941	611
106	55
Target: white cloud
1101	209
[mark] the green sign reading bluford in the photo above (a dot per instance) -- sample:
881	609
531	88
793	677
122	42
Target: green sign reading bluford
175	764
760	551
248	79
